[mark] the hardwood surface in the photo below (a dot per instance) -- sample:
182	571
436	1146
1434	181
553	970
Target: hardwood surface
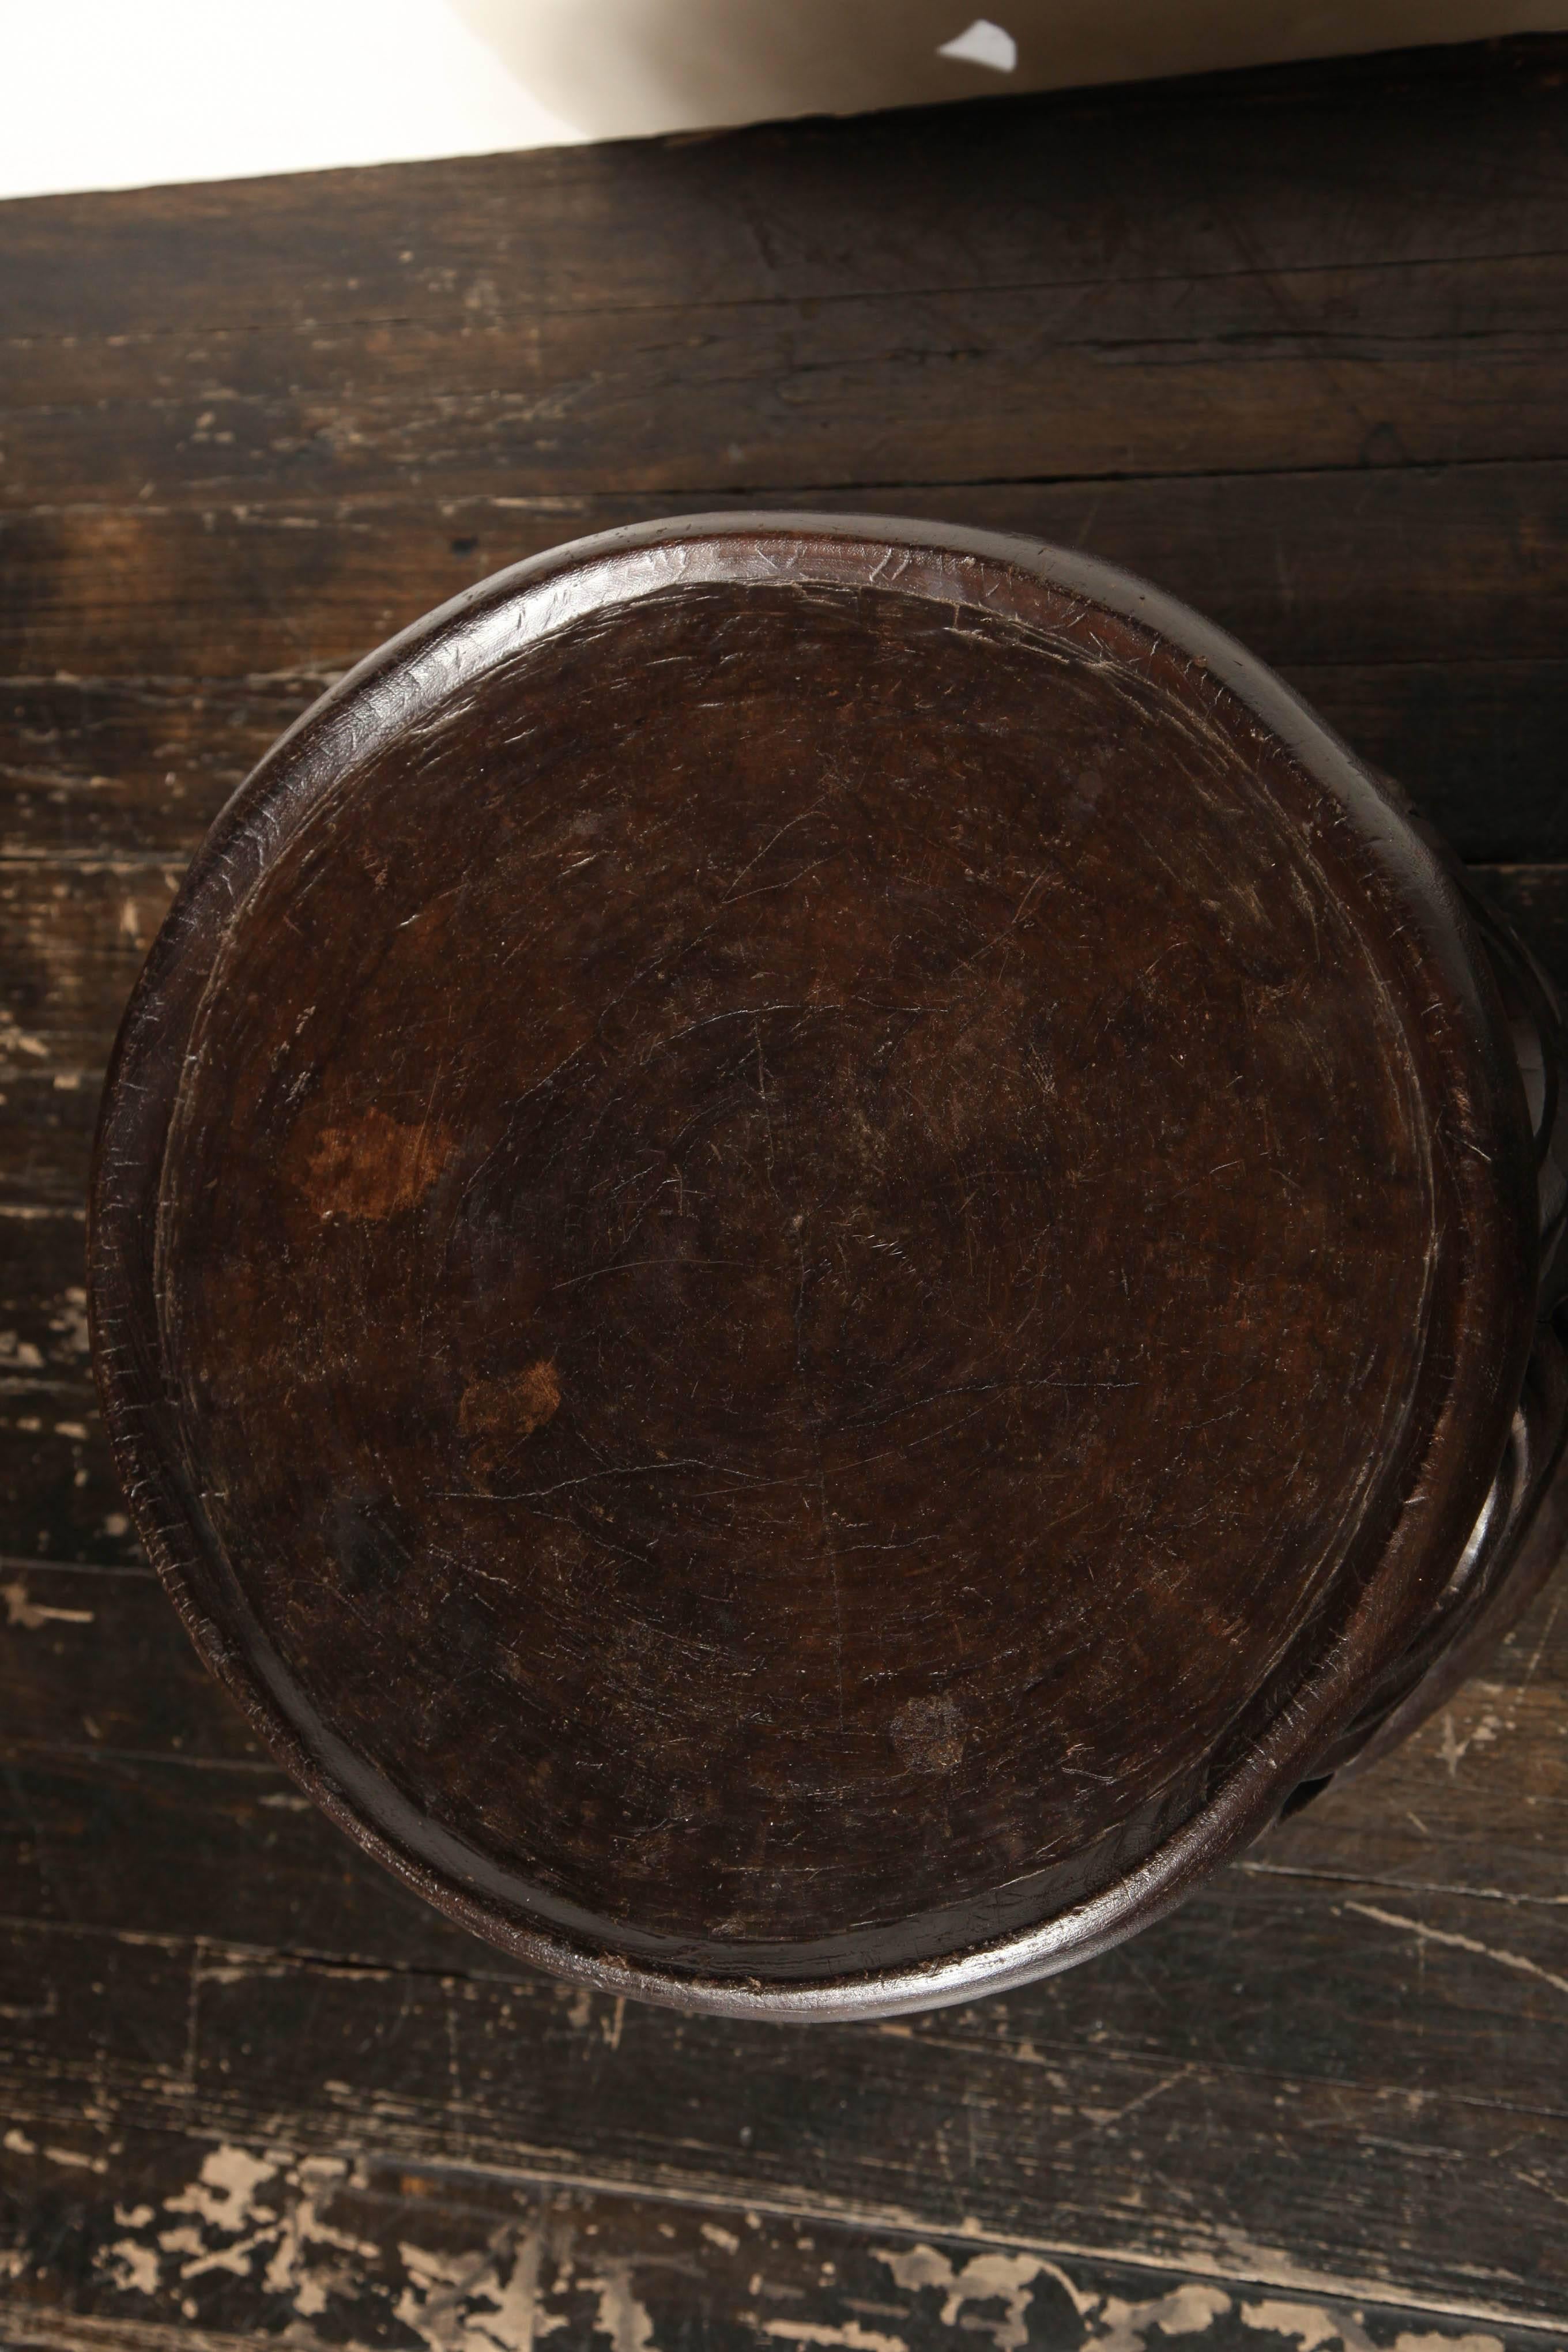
1291	345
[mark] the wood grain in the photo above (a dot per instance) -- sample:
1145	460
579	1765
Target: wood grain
273	587
1349	2062
224	2242
1445	671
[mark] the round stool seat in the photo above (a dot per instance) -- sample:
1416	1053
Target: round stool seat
814	1250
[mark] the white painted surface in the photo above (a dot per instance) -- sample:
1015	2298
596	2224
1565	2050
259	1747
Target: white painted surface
124	93
983	44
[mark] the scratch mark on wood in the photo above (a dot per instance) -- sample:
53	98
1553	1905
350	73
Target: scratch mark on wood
1519	1961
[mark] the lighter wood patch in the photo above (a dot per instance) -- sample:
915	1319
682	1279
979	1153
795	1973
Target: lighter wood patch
378	1167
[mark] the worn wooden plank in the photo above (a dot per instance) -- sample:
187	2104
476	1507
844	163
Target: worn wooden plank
1451	155
59	1498
1479	746
112	767
1432	365
94	1662
1301	2013
1109	2112
162	2241
106	769
1535	897
43	1305
77	936
225	1848
47	1120
1357	568
1316	1970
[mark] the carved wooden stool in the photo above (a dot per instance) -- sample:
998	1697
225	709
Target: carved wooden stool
818	1251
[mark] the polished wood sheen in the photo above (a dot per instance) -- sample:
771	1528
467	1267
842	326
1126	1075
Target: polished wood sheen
814	1243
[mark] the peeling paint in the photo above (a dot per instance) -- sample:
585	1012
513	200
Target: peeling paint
622	2317
1008	2279
1315	2329
304	2232
850	2337
15	1039
224	2192
1113	2323
1428	2342
70	1322
278	2245
485	2301
1453	1750
1187	2310
269	2224
31	1614
75	2161
131	2266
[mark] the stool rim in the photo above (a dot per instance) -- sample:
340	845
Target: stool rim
417	672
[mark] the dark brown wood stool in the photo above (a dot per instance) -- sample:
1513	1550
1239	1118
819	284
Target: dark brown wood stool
819	1250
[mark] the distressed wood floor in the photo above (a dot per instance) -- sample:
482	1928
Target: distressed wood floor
1294	344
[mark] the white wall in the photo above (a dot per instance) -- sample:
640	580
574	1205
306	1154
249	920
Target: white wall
122	93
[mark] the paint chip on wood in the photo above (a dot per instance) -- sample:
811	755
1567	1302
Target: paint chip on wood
29	1615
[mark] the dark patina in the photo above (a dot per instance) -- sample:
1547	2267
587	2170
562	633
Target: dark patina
814	1243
